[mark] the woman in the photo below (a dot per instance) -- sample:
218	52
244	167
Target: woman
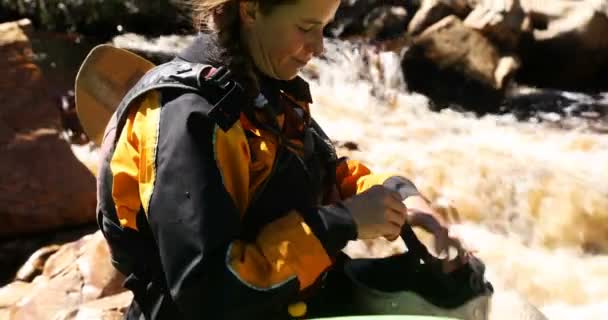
241	219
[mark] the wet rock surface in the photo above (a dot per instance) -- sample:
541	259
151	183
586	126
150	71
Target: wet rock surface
451	62
38	169
73	283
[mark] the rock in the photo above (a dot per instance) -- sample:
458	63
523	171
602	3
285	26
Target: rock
543	34
432	11
370	19
12	293
385	22
78	273
15	32
42	185
568	47
34	265
47	296
452	63
101	18
109	308
14	253
502	21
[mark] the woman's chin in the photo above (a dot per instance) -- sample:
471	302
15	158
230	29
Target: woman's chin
288	74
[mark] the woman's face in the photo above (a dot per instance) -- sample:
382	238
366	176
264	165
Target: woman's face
283	41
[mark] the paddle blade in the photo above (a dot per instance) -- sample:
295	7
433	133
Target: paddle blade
105	76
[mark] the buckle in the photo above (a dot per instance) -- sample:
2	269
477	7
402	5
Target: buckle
220	77
227	110
190	74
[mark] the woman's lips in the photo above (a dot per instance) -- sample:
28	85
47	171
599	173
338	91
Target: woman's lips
300	62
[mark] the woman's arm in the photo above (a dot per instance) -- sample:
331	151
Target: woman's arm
353	177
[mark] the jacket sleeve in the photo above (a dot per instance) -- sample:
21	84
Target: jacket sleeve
353	177
210	273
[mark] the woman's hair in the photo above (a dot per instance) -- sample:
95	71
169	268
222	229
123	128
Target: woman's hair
222	18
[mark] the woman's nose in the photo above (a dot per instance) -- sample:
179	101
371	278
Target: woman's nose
316	45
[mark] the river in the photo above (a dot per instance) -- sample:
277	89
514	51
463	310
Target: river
530	197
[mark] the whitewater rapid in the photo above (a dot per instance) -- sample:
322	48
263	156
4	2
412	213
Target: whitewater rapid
530	198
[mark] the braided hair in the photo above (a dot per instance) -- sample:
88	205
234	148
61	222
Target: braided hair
221	17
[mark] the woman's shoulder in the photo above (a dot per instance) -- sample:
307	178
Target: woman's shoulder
184	101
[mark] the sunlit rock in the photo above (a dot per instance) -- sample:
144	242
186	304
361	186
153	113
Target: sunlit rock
502	21
453	63
78	273
569	46
37	168
432	11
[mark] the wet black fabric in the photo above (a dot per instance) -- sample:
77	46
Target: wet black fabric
194	221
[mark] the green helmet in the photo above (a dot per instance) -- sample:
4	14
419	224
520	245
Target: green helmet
405	285
414	283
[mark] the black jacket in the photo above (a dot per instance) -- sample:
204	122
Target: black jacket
223	224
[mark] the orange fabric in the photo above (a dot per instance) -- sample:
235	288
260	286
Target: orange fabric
124	166
132	163
284	248
353	177
347	175
244	163
232	157
263	152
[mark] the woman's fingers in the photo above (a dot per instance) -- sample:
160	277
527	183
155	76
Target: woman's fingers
396	217
442	245
463	257
392	231
395	202
396	211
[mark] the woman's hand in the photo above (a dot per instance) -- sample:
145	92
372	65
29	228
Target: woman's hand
378	212
420	214
443	242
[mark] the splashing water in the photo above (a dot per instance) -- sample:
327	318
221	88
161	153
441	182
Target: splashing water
533	200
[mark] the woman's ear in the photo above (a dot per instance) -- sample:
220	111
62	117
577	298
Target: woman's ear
248	11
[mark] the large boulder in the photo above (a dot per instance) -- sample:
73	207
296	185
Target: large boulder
108	308
569	45
375	20
502	21
42	185
23	259
432	11
455	64
72	282
544	34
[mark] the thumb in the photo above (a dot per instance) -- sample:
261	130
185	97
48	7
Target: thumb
391	238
